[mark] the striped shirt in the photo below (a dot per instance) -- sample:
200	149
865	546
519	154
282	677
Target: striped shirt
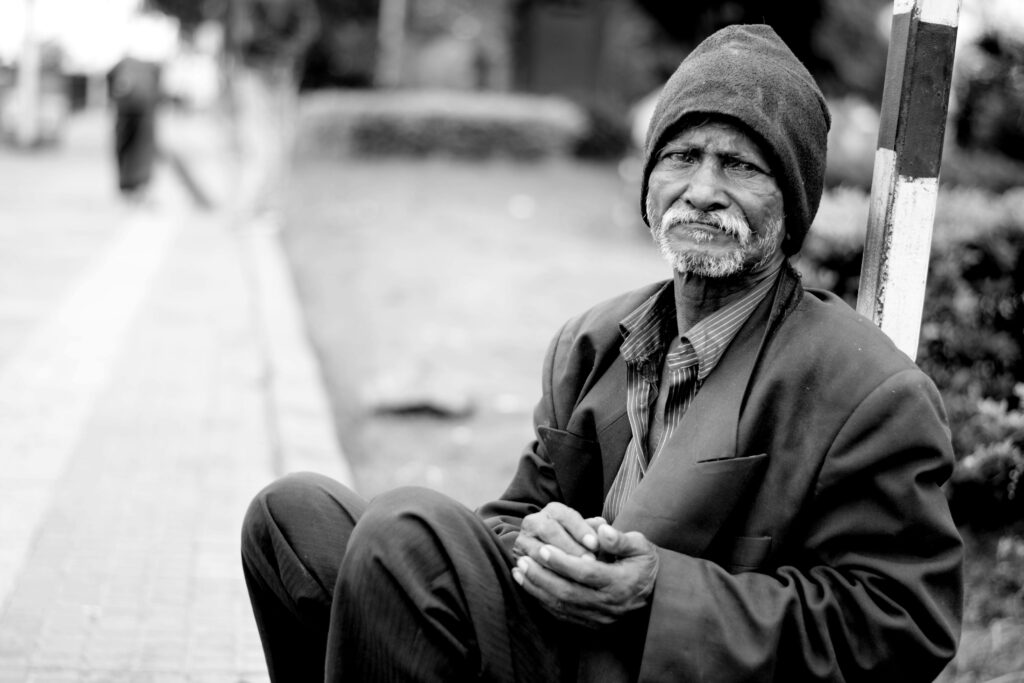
659	359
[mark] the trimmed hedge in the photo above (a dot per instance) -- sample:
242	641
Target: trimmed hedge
966	168
466	125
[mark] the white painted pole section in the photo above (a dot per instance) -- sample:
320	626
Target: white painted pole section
902	6
908	208
905	183
945	12
913	209
871	296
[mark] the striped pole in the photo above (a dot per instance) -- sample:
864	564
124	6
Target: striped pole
905	184
27	132
391	41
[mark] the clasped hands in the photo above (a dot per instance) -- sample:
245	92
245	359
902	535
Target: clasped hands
583	571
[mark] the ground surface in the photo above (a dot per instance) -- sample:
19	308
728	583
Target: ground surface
142	404
442	283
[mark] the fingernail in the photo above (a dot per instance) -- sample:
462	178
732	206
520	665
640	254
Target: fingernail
589	556
517	575
590	541
545	553
523	564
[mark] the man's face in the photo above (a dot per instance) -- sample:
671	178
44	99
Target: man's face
714	207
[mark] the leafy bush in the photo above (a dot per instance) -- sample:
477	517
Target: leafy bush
972	336
981	169
420	123
986	490
989	92
852	139
973	329
832	252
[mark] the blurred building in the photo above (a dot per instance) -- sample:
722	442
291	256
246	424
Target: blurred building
604	53
55	54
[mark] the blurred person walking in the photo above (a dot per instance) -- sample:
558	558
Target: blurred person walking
134	87
266	44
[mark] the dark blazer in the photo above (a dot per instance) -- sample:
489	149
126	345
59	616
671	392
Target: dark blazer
801	527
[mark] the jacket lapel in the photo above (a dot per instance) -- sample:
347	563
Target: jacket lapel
696	480
601	416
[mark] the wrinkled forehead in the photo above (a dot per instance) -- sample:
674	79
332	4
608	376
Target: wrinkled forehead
724	129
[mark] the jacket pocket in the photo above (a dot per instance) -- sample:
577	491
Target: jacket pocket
684	508
559	439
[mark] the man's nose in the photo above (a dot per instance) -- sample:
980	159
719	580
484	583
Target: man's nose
705	190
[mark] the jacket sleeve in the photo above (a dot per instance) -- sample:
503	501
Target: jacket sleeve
871	585
534	484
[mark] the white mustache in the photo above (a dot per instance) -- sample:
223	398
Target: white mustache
733	225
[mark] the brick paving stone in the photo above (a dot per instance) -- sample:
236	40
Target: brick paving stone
142	435
45	244
47	389
134	571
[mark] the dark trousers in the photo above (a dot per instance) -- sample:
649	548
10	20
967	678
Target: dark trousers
411	586
135	146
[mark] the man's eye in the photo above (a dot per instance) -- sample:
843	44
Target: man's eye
684	157
743	166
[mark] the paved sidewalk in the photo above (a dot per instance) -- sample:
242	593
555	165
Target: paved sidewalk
154	374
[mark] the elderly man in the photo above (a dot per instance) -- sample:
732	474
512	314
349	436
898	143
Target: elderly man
733	478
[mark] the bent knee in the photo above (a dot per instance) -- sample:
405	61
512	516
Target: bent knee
413	502
395	517
286	503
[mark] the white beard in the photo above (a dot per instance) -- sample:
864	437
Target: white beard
751	251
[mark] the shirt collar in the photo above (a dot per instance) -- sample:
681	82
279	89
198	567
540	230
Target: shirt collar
648	328
712	335
645	329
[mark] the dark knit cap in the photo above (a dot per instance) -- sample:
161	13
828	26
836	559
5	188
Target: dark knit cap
746	73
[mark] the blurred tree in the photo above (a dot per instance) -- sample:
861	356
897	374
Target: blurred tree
990	94
852	37
840	42
345	54
190	13
794	21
